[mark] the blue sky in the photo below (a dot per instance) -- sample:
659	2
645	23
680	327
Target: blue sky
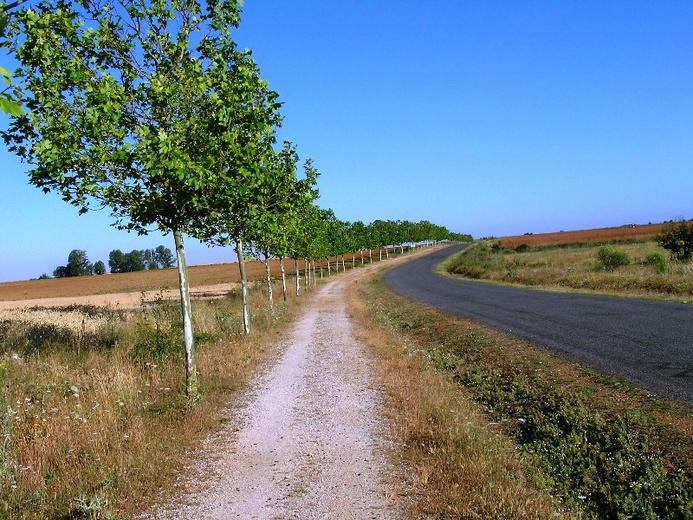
490	118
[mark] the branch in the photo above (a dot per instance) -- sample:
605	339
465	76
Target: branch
7	7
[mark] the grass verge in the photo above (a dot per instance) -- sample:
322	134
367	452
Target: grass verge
642	268
492	426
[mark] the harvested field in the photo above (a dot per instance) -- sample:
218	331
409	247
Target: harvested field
585	236
205	280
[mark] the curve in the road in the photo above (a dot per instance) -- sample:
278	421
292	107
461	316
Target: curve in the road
646	342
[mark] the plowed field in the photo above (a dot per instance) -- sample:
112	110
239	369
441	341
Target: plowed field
584	236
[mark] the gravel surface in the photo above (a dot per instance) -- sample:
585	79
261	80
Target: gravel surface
308	442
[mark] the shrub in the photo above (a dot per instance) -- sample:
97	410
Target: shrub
610	258
677	238
658	261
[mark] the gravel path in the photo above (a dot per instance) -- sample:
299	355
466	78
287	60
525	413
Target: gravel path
309	442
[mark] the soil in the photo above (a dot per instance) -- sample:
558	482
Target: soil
124	300
628	232
308	442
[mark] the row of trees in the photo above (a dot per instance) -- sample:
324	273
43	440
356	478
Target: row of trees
148	108
139	260
78	263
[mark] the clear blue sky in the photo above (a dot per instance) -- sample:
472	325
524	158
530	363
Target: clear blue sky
490	118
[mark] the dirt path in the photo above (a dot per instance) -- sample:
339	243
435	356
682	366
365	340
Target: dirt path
309	442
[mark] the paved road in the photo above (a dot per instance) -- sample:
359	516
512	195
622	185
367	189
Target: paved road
645	342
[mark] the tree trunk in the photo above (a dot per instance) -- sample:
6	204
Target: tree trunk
306	270
361	257
191	379
281	264
269	283
387	253
244	287
380	253
329	270
298	278
343	266
370	255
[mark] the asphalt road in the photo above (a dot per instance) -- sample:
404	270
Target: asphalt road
645	342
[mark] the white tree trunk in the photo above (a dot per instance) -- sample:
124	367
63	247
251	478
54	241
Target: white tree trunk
306	269
380	252
244	288
298	278
370	255
281	265
269	283
191	377
329	269
362	257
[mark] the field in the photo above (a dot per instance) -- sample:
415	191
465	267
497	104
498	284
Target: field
125	289
584	236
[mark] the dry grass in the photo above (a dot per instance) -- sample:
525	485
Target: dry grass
577	268
100	432
460	392
457	465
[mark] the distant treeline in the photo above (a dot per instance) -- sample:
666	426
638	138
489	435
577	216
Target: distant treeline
78	263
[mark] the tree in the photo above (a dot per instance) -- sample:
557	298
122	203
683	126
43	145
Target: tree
10	93
129	104
677	238
99	267
117	261
148	260
163	257
78	263
280	210
134	261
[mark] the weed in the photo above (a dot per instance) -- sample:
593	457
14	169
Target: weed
658	261
610	258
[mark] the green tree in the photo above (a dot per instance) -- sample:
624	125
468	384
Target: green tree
78	263
9	93
164	257
99	267
135	261
677	238
284	209
128	105
117	262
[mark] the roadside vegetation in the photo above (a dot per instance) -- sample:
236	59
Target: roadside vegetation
640	267
95	418
492	427
92	400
